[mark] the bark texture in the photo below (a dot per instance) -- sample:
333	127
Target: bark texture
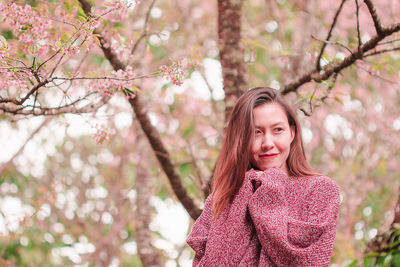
231	54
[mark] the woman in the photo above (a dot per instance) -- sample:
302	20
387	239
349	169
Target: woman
267	206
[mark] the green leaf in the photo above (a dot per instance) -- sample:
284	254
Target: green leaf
81	13
185	169
353	263
129	92
369	262
8	35
117	25
395	260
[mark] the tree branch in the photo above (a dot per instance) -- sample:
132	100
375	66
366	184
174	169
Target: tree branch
358	25
336	67
70	108
144	31
378	26
329	34
164	158
21	101
21	149
382	51
152	135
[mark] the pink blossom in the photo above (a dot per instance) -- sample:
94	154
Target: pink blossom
102	134
119	81
92	24
173	72
43	50
26	39
12	81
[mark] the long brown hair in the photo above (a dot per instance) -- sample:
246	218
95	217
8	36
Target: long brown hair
234	158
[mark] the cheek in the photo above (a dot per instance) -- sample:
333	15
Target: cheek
255	145
284	143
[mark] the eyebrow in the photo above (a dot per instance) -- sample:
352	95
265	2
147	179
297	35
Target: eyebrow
273	125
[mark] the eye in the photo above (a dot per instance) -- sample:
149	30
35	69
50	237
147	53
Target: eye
278	129
258	131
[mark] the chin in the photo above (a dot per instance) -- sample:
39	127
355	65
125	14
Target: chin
268	167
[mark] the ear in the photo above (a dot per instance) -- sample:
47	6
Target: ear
292	133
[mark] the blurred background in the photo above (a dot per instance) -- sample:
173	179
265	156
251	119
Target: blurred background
112	115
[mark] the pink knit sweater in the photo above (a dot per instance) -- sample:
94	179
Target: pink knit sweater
273	220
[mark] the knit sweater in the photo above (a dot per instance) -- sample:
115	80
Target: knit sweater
273	220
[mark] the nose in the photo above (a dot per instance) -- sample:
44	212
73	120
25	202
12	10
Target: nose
267	142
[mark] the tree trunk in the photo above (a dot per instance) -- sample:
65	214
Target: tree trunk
231	54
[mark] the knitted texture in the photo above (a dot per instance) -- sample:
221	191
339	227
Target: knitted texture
273	220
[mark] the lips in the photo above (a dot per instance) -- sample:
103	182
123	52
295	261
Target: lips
268	156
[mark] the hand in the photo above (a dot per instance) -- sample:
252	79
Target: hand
271	175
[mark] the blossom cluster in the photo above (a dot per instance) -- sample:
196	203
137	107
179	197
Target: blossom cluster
28	25
117	44
173	72
91	24
12	81
102	133
118	81
116	5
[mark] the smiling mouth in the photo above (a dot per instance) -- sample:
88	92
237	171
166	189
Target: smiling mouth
268	156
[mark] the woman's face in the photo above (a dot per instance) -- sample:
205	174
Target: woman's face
272	138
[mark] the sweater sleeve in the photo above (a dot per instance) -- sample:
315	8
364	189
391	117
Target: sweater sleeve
198	237
288	241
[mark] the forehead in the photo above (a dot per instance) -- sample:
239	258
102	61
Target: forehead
268	114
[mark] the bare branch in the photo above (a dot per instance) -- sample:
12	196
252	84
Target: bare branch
358	25
106	78
164	158
151	133
329	34
336	67
388	42
332	43
382	51
376	75
144	31
20	102
214	104
193	161
70	108
21	149
305	112
378	26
